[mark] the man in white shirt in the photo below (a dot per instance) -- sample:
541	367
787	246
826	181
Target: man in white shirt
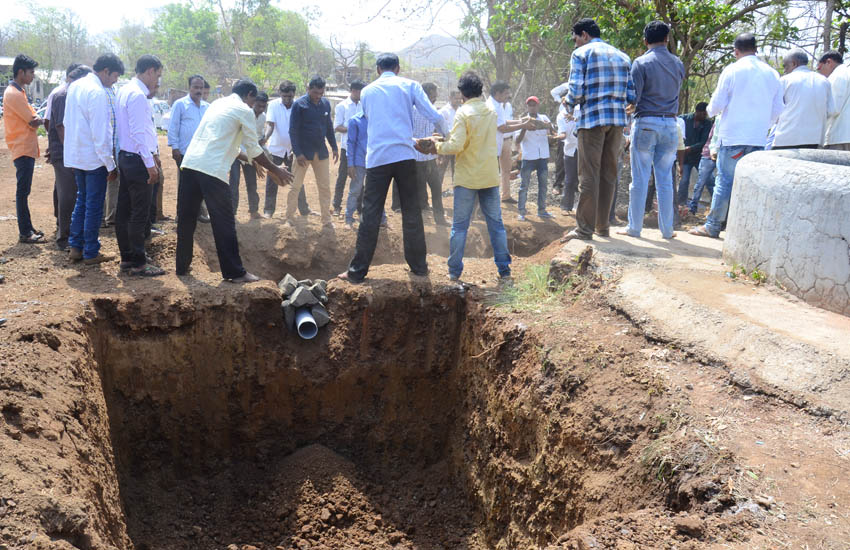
831	65
500	93
449	110
808	104
535	158
89	149
749	98
137	166
228	123
567	132
244	165
280	146
343	112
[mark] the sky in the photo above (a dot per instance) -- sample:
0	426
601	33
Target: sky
350	21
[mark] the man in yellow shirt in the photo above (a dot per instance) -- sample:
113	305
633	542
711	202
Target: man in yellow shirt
473	139
21	123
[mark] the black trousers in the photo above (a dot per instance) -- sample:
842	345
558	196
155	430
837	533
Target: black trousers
271	189
341	177
132	213
194	187
250	185
377	185
428	176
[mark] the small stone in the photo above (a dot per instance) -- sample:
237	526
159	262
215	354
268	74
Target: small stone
326	514
50	435
11	503
322	283
249	547
197	530
287	284
232	547
319	293
320	314
14	434
302	297
689	525
764	501
306	529
305	282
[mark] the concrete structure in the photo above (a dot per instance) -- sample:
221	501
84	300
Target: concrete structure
790	218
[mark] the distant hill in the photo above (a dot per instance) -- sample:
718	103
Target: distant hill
434	51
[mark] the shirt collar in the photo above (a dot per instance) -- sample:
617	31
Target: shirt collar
387	74
16	85
141	86
801	68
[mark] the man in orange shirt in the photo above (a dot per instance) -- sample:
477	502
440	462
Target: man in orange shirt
21	123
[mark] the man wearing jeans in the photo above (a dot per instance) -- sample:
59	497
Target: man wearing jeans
697	127
343	112
707	171
534	142
21	123
657	75
89	149
601	82
472	139
388	104
749	99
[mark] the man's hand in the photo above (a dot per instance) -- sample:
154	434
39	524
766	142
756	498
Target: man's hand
426	146
153	175
679	171
36	122
261	172
302	161
281	175
351	172
630	109
714	157
177	155
112	176
336	156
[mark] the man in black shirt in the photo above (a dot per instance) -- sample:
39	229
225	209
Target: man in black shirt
310	124
697	127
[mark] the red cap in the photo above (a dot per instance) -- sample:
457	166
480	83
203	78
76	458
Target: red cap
532	98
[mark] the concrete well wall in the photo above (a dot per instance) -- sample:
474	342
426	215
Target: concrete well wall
790	218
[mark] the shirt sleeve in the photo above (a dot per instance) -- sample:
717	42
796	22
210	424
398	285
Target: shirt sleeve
562	124
831	109
250	141
559	91
137	120
720	97
295	129
575	86
18	104
456	141
100	125
351	138
631	89
778	103
339	114
839	89
174	125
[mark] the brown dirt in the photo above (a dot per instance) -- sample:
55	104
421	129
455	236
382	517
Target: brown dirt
179	413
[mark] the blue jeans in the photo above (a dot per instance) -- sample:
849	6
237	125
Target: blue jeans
727	160
682	195
24	167
705	180
355	196
529	166
88	211
464	203
654	143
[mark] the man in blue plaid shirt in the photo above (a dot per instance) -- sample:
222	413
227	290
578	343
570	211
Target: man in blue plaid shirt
601	82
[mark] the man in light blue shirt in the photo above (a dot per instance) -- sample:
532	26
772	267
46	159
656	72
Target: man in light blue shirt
388	104
186	114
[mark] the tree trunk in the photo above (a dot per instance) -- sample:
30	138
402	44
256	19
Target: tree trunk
842	39
827	25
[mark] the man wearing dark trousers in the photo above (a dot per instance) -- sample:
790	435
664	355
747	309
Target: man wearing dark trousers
280	146
228	123
427	172
388	104
343	112
137	167
247	167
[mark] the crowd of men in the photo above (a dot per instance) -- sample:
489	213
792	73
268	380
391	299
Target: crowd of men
104	151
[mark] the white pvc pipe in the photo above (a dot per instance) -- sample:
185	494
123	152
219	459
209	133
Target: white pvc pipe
305	324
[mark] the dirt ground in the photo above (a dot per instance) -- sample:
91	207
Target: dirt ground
178	413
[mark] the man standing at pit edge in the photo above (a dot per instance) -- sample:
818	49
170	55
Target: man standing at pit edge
388	105
748	99
601	82
228	122
831	65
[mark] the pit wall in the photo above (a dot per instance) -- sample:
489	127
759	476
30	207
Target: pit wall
788	218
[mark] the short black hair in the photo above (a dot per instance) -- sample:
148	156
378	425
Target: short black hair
655	32
701	106
79	72
111	62
470	84
357	84
832	54
71	68
387	61
146	62
194	76
316	82
587	25
23	63
263	96
745	42
245	87
499	86
429	87
206	84
287	86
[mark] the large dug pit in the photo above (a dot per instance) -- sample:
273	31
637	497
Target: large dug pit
415	420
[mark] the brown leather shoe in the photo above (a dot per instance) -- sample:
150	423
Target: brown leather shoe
99	259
